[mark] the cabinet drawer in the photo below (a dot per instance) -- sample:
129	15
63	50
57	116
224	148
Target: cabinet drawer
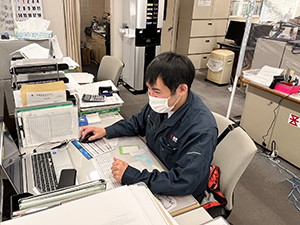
202	11
203	45
216	9
221	9
208	28
199	61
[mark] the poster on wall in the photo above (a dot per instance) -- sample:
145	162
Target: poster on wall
6	17
204	2
26	9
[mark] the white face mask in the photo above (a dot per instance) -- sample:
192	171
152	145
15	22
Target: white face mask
160	105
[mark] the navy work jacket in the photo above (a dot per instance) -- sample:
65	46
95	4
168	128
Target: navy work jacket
184	143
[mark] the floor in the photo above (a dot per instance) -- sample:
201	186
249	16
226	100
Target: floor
261	194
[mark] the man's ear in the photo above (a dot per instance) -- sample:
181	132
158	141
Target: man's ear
183	89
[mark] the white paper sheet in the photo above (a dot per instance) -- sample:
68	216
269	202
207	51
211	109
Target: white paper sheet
49	124
264	77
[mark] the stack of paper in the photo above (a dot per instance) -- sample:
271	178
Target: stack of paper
134	205
263	77
111	104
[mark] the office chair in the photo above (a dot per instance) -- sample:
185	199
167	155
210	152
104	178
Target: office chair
233	155
110	69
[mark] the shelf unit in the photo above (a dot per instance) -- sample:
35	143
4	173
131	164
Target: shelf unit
201	25
241	7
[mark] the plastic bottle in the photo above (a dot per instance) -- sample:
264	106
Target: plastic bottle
294	33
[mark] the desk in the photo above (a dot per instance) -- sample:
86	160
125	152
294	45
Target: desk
193	217
258	115
87	172
234	47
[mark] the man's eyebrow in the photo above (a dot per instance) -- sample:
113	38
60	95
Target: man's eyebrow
155	89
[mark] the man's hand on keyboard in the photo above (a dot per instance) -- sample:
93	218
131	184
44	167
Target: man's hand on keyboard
118	168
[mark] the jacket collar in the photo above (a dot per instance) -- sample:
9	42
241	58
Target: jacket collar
179	112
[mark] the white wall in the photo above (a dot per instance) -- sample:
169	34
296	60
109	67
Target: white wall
116	23
53	11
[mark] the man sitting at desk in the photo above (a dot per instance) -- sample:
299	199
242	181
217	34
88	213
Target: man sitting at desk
178	127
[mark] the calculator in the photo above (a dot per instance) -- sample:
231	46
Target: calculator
93	98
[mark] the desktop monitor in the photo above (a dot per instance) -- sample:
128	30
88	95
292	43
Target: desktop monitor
236	31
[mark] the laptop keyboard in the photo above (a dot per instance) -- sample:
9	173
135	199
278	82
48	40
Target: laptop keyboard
44	172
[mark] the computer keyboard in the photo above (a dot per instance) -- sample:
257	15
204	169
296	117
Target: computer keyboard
43	172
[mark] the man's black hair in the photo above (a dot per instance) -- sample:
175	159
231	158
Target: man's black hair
174	69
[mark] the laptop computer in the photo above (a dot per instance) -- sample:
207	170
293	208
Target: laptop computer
38	171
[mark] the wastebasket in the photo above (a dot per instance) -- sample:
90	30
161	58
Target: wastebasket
220	66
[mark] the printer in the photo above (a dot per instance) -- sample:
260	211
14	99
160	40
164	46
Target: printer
35	71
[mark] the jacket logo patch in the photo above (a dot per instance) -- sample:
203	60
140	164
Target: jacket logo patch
174	138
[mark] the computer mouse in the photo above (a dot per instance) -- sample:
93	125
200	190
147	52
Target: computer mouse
86	138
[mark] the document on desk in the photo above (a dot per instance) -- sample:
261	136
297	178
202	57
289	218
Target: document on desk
93	149
103	164
93	89
46	123
39	94
127	205
33	51
56	48
114	100
264	77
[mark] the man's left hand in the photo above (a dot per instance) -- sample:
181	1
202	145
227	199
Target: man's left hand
118	168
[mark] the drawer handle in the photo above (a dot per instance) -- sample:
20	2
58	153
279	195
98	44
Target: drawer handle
205	57
207	40
210	24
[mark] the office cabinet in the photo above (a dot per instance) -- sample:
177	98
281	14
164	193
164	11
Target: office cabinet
285	131
199	60
258	120
258	113
201	25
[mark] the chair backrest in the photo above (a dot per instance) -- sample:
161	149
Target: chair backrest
232	155
110	69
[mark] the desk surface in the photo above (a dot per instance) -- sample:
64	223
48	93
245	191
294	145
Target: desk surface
234	46
294	97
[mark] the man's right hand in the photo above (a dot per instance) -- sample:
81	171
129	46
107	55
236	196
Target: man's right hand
98	132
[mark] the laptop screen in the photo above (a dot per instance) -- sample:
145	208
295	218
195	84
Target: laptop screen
11	161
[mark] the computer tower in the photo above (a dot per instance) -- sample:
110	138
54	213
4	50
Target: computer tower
142	26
